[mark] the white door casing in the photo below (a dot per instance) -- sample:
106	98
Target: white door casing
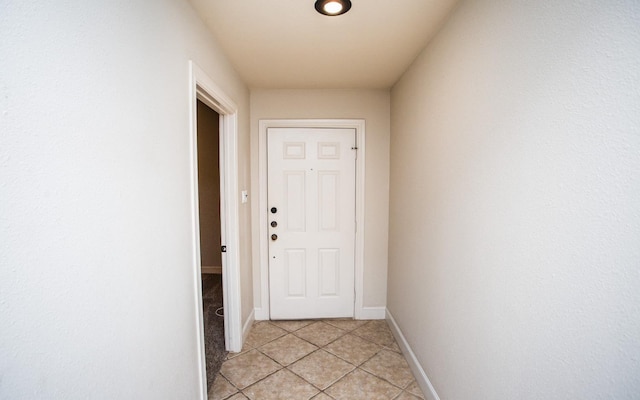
311	201
203	88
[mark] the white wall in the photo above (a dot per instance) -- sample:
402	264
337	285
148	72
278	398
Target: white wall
373	107
97	291
514	244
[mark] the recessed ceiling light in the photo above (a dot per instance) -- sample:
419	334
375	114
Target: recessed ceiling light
333	7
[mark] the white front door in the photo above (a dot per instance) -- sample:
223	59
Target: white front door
311	200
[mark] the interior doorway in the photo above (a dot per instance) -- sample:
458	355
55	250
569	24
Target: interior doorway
208	143
208	136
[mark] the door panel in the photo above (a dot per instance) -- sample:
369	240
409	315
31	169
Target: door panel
329	200
311	188
295	261
294	210
329	264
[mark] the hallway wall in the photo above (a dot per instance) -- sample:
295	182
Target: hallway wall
97	286
514	241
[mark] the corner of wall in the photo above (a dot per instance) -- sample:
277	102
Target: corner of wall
246	327
418	372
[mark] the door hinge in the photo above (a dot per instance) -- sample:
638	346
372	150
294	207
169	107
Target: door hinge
223	249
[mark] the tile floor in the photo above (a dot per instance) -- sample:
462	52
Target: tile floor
319	360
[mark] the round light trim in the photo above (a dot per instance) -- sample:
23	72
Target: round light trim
333	7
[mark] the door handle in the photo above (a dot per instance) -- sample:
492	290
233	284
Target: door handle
274	237
274	224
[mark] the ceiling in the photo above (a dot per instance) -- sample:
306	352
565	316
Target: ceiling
286	44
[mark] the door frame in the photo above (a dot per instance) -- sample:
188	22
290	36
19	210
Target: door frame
203	88
263	312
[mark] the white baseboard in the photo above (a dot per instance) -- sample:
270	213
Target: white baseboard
260	314
421	377
371	313
211	270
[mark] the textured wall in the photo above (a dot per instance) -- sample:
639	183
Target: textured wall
97	291
515	191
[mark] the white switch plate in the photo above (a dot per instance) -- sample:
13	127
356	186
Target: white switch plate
245	196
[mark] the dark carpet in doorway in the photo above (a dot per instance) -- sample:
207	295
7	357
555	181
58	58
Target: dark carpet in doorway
213	325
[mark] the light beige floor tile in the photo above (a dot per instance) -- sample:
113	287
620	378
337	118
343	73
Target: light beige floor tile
283	385
238	396
406	396
370	344
353	349
346	324
394	347
261	333
390	366
319	333
221	389
376	331
360	385
292	326
322	396
287	349
414	389
248	368
321	368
